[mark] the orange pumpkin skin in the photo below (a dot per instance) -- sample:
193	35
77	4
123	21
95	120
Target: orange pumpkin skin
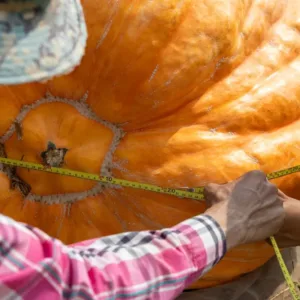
175	93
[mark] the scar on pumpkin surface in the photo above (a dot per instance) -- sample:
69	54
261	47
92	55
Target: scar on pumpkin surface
16	182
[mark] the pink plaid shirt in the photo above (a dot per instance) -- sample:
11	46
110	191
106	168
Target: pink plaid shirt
134	265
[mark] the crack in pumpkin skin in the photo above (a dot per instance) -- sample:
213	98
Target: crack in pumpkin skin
195	85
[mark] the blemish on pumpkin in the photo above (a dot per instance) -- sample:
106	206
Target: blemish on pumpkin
11	172
68	208
155	104
18	129
153	73
209	108
291	162
54	157
120	165
252	158
84	97
18	183
62	218
108	25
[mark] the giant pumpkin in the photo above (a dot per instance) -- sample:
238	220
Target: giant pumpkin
177	93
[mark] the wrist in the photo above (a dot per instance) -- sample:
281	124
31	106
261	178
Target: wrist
220	217
205	236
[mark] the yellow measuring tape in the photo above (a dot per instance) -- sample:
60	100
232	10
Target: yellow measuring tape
284	270
196	193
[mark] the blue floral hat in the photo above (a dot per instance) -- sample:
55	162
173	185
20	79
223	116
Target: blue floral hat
40	39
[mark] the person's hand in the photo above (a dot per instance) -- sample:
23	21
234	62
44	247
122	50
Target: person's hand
289	233
248	209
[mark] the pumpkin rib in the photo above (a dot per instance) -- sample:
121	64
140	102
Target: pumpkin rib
124	111
235	85
152	122
281	6
209	82
172	36
161	213
132	206
8	110
255	110
159	55
110	203
286	60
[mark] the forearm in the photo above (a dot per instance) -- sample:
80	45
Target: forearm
154	264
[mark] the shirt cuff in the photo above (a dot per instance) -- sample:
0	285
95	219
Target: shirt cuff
207	241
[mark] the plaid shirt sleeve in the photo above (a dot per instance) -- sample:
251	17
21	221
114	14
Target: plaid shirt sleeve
134	265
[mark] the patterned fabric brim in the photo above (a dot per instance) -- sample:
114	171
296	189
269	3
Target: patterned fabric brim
40	39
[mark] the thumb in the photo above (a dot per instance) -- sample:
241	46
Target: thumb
211	194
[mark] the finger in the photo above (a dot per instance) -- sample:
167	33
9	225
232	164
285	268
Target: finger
281	196
253	173
268	193
210	194
267	189
285	198
255	179
281	193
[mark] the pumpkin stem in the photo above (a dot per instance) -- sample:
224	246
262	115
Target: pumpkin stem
53	157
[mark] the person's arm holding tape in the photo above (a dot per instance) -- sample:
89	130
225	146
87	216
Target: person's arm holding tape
140	265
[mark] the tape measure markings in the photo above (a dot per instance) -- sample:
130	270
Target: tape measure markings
284	270
104	179
192	193
284	172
